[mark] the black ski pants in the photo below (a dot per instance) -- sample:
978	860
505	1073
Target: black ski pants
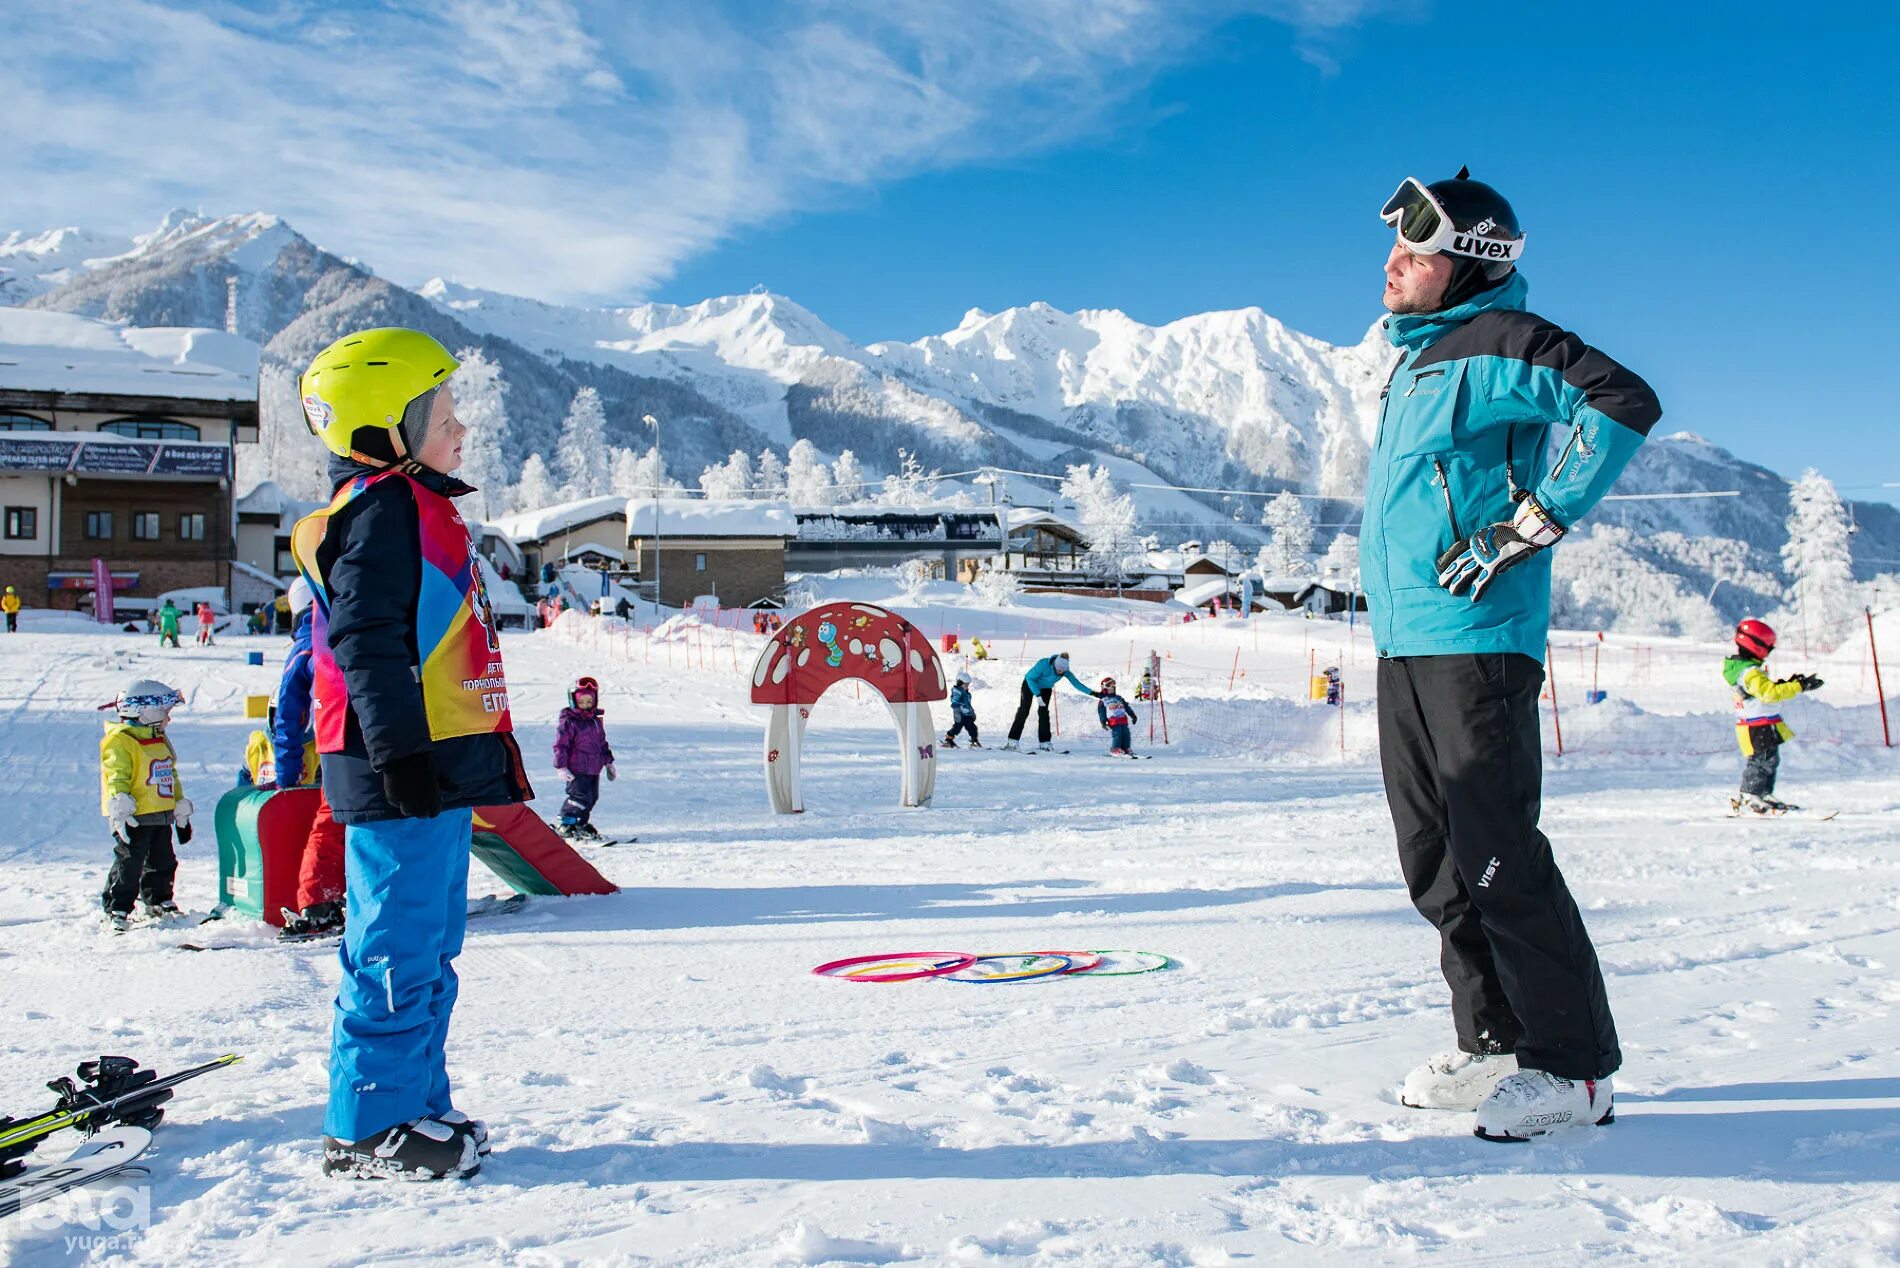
965	724
1460	749
583	791
1758	773
1042	713
141	868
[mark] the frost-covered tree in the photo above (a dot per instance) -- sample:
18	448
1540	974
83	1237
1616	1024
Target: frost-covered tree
637	475
480	404
807	478
997	587
286	452
1340	564
1819	560
770	482
1608	578
911	485
1108	517
730	479
536	488
847	478
1290	537
914	575
580	457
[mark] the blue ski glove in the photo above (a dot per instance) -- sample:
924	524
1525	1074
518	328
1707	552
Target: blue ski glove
1474	562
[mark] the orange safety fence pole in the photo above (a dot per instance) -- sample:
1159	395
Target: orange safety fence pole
1873	650
1234	670
1556	719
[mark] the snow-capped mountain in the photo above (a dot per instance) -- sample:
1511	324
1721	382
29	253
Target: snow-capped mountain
32	264
1228	399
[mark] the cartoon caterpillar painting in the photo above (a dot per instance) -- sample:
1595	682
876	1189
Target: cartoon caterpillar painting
828	635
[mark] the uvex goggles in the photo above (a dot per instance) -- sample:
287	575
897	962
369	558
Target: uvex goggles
1426	229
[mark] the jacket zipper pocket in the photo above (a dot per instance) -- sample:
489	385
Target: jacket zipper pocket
1564	457
1385	392
1444	484
1418	379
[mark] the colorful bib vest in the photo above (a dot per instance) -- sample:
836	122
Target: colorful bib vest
150	761
464	691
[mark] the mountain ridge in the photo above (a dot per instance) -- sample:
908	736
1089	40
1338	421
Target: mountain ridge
1232	399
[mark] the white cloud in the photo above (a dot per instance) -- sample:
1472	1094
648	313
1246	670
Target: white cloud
552	148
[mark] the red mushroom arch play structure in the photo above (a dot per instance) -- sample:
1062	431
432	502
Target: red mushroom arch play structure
828	645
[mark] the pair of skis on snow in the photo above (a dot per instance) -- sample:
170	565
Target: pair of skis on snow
112	1148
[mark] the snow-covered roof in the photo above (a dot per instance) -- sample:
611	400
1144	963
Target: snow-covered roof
539	525
1284	585
1201	592
1035	516
63	352
260	574
503	596
711	517
269	498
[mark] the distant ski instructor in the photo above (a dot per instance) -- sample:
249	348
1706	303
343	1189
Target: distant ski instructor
1462	507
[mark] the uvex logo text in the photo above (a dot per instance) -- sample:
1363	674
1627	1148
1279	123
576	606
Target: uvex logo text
1488	248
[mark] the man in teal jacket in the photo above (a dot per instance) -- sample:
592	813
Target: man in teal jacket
1038	685
1462	506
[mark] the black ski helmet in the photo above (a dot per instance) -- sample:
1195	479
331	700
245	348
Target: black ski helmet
1475	208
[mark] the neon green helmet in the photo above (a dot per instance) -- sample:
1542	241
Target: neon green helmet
367	396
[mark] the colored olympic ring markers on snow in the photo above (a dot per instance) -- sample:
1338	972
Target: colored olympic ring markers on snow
962	966
937	962
1012	968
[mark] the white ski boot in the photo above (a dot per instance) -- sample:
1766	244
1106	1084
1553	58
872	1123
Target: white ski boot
1535	1103
1045	747
1010	746
1456	1080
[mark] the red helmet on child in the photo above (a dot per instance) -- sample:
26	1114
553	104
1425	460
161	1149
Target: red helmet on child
1108	684
1755	638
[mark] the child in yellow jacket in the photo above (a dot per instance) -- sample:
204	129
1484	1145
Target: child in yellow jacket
1759	730
143	802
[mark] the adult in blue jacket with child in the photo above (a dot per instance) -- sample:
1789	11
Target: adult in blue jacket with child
1038	685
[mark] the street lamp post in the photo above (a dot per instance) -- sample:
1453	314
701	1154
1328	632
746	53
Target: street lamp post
654	423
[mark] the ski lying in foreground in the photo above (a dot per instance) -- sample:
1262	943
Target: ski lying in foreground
117	1090
106	1154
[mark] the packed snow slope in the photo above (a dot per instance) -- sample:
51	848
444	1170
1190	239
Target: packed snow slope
668	1084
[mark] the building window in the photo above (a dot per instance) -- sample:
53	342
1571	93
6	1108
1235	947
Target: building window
23	422
699	563
99	526
145	526
191	526
150	429
23	523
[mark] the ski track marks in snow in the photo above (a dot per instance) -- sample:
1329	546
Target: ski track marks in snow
667	1083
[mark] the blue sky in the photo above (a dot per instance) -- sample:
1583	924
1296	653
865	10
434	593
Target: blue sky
1707	189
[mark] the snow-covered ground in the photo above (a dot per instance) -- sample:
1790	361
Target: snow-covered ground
667	1083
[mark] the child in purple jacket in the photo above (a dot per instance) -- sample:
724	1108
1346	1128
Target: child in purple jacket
581	753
